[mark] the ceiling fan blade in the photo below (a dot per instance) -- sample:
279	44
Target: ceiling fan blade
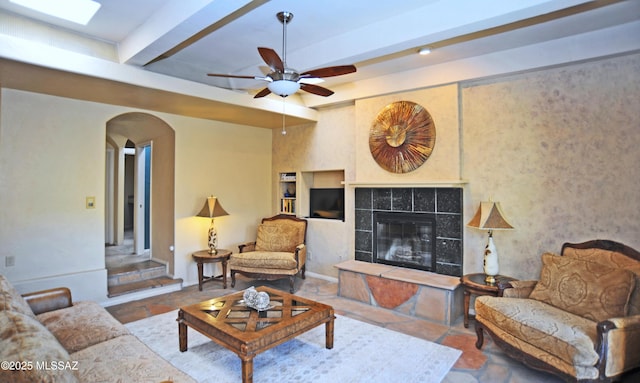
271	58
315	89
330	71
262	93
234	76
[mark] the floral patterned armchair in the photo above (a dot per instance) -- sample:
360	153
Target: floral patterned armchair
580	321
278	252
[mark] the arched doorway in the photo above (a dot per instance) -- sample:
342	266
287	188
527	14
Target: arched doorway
154	145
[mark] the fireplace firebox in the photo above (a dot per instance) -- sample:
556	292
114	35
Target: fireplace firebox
404	239
435	213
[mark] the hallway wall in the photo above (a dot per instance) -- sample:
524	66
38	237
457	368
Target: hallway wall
51	160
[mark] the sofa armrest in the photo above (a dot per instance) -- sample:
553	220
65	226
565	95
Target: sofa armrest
246	247
518	289
618	345
301	255
48	300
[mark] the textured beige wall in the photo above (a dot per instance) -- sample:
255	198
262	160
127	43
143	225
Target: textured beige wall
327	145
559	149
444	162
340	140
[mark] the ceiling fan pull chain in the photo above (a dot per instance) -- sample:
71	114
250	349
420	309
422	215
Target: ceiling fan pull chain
284	129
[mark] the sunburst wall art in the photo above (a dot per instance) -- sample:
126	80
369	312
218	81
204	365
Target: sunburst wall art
402	137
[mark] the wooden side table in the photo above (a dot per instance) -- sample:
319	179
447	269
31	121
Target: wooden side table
476	285
201	257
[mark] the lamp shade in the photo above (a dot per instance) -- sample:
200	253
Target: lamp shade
283	88
212	208
490	217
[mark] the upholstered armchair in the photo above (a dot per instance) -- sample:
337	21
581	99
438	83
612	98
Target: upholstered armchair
580	321
278	252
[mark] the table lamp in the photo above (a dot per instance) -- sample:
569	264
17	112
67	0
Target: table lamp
490	217
211	209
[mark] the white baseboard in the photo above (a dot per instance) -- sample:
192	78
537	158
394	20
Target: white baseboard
322	276
141	294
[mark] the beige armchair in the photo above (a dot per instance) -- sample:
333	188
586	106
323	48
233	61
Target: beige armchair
278	252
580	321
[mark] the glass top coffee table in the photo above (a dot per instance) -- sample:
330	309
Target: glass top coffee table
229	322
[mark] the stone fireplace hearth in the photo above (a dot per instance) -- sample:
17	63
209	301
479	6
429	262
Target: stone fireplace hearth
421	228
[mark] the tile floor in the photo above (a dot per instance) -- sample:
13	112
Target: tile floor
488	365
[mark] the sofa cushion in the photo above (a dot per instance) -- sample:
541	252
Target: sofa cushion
82	325
283	238
10	299
264	260
23	339
564	335
126	359
587	289
612	259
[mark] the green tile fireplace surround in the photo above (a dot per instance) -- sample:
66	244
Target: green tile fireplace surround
417	293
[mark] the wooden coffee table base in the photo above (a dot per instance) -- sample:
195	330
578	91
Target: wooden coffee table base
228	322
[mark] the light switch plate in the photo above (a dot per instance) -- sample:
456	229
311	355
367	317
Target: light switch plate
91	202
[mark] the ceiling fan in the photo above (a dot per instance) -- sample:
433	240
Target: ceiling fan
285	81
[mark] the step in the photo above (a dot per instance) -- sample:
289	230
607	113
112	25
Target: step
152	283
135	272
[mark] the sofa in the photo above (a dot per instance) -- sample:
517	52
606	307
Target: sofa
45	337
580	320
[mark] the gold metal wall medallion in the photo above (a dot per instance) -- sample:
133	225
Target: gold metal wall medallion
402	137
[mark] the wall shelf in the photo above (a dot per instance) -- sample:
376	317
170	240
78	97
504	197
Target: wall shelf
287	193
427	184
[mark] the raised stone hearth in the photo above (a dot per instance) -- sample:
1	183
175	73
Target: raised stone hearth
421	294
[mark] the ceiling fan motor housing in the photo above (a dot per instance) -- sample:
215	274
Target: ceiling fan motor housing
287	75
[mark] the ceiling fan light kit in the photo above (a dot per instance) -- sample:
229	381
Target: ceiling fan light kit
283	88
284	81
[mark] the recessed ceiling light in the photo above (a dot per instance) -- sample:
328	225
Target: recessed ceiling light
77	11
424	51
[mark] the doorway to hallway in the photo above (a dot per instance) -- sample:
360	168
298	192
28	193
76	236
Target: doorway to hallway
140	184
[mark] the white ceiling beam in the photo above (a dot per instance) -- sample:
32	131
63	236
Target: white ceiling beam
611	41
172	24
433	22
24	51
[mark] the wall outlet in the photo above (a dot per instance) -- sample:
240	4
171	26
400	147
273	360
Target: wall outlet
309	256
9	261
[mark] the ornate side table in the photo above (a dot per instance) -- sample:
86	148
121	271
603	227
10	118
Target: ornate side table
476	285
203	256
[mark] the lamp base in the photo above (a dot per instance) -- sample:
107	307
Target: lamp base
491	268
212	239
490	279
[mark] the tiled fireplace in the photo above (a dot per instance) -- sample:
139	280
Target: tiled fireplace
408	252
417	228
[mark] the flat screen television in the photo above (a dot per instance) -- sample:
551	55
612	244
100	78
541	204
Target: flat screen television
326	203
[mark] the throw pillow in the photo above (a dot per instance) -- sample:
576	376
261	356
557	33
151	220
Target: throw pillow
10	299
587	289
277	238
612	259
